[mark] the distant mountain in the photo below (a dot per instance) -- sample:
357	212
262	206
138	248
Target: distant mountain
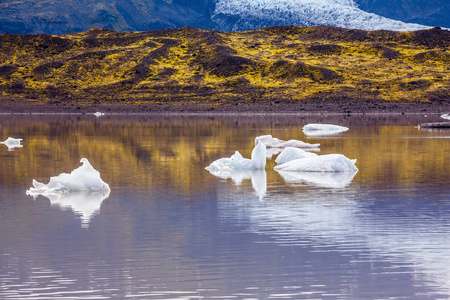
66	16
432	13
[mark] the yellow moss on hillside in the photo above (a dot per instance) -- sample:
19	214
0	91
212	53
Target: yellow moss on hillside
294	63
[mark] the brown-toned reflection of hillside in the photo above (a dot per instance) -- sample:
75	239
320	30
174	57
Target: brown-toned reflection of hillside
173	151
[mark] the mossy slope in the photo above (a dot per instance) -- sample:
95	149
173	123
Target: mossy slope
190	65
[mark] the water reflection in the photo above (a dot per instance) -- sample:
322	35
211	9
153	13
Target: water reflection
171	230
85	204
319	179
258	178
354	220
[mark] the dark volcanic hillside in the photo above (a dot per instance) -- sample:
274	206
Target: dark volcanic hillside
63	16
189	65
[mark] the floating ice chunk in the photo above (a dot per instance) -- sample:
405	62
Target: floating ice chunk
291	153
272	142
446	116
319	163
320	179
98	114
12	143
84	178
237	162
323	129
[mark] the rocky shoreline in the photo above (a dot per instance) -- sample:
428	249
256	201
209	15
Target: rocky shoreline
301	107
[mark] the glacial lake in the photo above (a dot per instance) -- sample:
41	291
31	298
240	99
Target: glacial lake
169	229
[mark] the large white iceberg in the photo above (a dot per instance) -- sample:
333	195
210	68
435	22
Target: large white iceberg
237	162
323	129
291	153
319	163
84	178
12	143
271	142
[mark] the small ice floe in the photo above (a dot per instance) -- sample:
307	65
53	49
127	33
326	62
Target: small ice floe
320	179
98	114
12	143
82	191
446	116
291	153
271	142
237	162
84	178
323	129
319	163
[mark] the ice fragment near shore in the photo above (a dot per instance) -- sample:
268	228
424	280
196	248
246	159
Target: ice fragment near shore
323	129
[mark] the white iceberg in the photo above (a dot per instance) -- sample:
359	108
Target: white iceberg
12	143
271	142
319	179
323	129
319	163
237	162
98	114
446	116
84	178
291	153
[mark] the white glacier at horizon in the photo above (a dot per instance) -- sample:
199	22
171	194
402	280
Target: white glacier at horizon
338	13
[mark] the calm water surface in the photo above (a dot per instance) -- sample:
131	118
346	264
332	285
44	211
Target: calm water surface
171	230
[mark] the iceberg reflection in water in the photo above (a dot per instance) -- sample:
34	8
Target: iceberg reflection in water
319	179
83	191
85	204
258	177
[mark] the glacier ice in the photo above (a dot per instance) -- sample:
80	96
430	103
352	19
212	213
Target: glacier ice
84	178
237	162
291	153
271	142
239	168
323	129
12	143
319	163
252	14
